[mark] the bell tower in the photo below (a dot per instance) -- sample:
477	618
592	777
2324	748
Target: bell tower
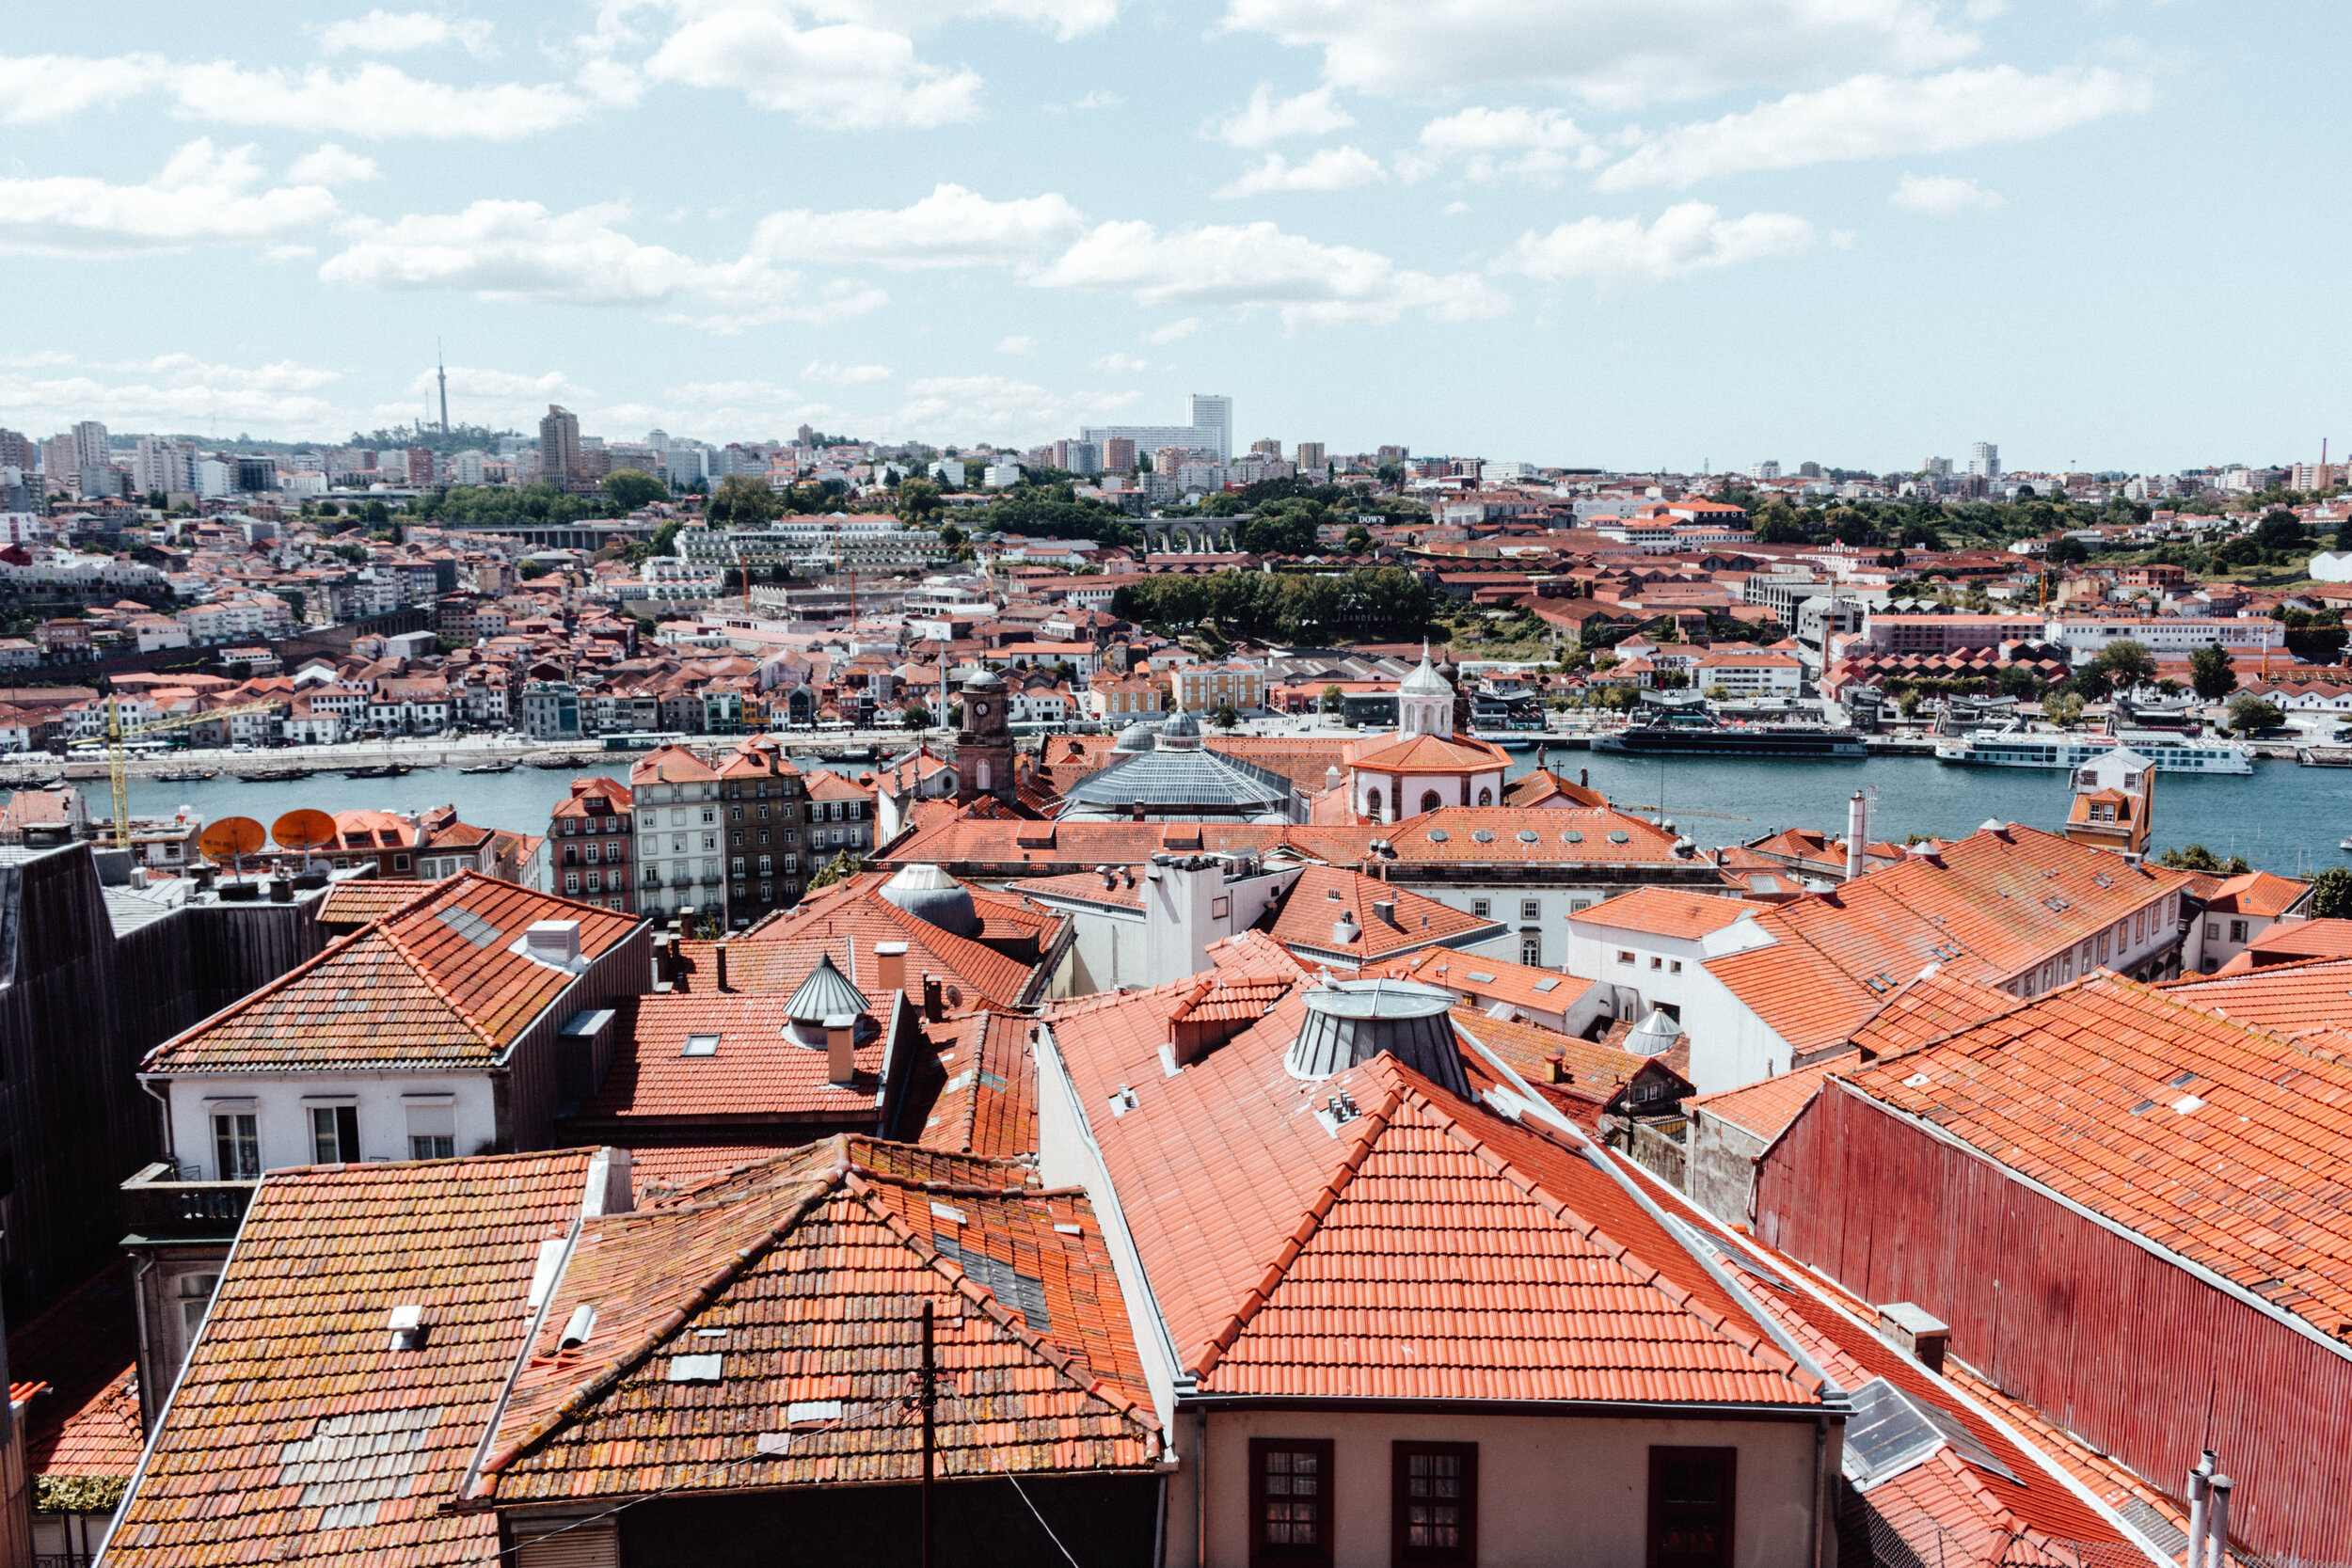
1424	703
984	743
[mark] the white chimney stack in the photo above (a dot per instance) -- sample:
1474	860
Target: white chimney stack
554	942
1857	834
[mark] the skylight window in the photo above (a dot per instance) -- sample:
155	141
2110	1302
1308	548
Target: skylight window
1438	835
1546	985
1620	836
1572	836
1484	835
470	925
1527	835
1890	1433
700	1045
1020	1292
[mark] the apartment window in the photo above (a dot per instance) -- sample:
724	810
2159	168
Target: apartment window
431	1132
237	1147
1531	909
1674	967
2212	930
596	882
2238	931
195	1293
1691	1507
571	881
1290	1499
1433	1503
1482	907
1624	956
734	814
1657	962
1531	951
334	1134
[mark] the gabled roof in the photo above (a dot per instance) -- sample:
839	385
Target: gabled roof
367	898
2222	1143
1986	908
1661	911
1284	1263
1930	1005
812	1271
2289	1000
291	1371
782	950
439	983
987	1105
1490	979
1765	1108
2258	893
1544	787
2290	939
1303	918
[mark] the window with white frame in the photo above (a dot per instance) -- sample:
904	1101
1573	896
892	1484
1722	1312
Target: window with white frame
432	1130
334	1134
236	1146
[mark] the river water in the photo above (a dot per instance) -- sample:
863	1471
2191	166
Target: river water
2281	817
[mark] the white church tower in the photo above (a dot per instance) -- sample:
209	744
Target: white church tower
1424	703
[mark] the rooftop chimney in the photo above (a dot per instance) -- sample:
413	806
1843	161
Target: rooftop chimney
1857	834
553	941
1910	1327
840	1049
1384	910
718	963
890	965
934	1004
1344	930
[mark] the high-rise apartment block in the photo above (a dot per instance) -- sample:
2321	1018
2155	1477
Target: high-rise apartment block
1937	467
1266	447
1119	454
1212	411
1309	455
19	451
1984	460
559	447
1765	472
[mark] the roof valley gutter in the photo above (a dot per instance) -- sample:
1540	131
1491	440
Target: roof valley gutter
466	1481
1126	1260
163	1414
2228	1287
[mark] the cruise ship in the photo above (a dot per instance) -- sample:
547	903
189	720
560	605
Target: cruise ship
2172	751
1692	731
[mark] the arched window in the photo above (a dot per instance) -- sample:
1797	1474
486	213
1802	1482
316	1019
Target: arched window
1485	796
1430	799
980	771
1372	804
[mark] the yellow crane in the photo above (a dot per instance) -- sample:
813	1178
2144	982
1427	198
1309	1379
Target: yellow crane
117	761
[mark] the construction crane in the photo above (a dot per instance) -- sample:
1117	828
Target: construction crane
117	761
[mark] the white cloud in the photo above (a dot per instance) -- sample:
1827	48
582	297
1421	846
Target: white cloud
382	32
1265	120
996	408
519	250
1692	237
703	394
36	88
1943	196
203	195
1016	345
1616	53
1173	330
1121	364
1331	168
376	101
1495	144
174	391
331	165
1881	116
1259	266
846	376
842	75
1098	99
950	228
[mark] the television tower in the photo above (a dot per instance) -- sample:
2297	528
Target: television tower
440	371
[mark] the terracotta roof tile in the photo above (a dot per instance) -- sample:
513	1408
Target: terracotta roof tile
367	898
292	1368
987	1104
806	1282
436	983
1486	979
1667	912
1765	1108
1302	919
754	1073
83	1351
2287	999
2222	1143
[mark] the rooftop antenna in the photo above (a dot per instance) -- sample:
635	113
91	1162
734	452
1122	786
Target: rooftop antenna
441	373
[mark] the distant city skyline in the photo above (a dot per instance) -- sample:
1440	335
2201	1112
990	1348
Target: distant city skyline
1577	232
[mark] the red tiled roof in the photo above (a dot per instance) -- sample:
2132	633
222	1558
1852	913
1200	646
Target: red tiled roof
83	1353
291	1369
1490	979
2289	1000
1930	1006
813	1271
2290	939
1430	753
1766	1107
670	765
1282	1254
1303	918
436	982
756	1073
1662	911
1087	886
1986	908
1544	787
847	923
2222	1143
2258	893
664	1170
987	1106
367	898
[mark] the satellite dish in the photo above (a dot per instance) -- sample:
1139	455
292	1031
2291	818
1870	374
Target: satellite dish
231	838
303	831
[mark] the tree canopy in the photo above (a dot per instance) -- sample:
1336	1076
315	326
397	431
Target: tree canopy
630	489
2211	674
491	506
1290	606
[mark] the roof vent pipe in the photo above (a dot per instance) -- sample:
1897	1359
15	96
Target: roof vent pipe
2199	1500
1857	834
576	1331
2218	1525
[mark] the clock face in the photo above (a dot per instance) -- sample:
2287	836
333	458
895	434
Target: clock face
981	708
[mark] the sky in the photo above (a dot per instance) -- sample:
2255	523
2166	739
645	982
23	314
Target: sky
1611	233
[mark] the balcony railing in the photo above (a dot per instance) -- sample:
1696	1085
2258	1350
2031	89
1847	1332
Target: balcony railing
162	1207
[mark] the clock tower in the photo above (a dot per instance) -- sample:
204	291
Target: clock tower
984	744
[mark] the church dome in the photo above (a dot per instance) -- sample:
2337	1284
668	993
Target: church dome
984	680
934	898
1137	737
1425	682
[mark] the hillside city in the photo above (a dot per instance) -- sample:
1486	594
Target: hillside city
1107	1002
